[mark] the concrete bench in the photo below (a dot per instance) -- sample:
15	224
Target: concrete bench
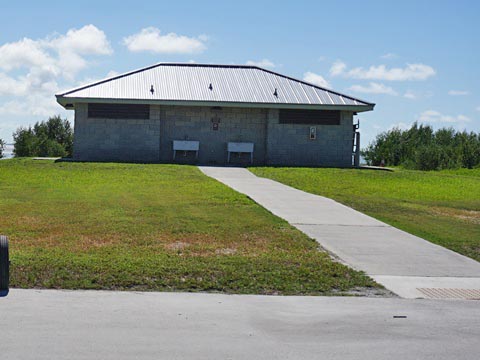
185	145
240	147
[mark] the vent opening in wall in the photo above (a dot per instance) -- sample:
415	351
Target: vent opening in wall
118	111
313	132
309	117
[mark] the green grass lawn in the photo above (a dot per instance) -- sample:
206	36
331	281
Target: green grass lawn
440	206
152	227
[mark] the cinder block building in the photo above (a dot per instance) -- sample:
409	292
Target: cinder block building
213	114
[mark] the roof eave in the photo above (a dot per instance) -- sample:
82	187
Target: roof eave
62	100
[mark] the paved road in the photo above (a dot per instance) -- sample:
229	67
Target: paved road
400	261
50	324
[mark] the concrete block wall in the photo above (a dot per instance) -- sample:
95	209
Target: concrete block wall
115	139
195	123
290	144
151	140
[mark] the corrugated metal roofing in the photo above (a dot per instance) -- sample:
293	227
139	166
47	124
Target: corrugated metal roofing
230	83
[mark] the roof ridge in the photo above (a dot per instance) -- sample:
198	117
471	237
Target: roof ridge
106	80
119	76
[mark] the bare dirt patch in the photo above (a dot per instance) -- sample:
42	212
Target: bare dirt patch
177	245
225	251
471	216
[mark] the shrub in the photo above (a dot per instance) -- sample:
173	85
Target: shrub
421	148
51	138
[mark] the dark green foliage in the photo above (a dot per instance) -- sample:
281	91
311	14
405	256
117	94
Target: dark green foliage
24	139
2	144
423	149
53	137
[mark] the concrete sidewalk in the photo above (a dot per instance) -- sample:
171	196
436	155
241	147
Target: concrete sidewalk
51	324
403	263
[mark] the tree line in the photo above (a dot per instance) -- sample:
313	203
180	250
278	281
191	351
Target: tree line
51	138
422	148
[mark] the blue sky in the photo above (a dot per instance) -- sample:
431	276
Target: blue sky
417	60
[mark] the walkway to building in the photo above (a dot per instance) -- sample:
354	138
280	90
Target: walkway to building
405	264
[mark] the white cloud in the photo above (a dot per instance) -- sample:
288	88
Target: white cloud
24	53
316	80
150	39
36	81
76	44
37	105
417	95
433	116
12	108
89	40
33	69
389	56
55	55
410	95
12	87
338	68
264	63
410	72
373	88
381	72
458	92
478	108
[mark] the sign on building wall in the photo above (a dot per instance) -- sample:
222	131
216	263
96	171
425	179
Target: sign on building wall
215	123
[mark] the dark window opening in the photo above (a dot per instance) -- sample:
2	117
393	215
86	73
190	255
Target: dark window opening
309	117
119	111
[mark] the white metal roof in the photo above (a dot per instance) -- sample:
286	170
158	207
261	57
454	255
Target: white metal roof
211	84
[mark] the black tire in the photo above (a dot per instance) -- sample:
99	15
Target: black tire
4	264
